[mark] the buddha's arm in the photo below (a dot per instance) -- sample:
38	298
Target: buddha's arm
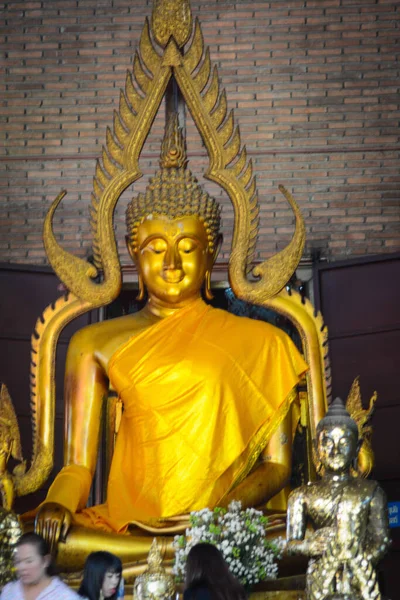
378	539
296	525
272	474
85	387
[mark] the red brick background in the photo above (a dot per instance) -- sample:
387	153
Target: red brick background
314	85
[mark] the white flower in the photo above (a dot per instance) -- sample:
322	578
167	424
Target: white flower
239	534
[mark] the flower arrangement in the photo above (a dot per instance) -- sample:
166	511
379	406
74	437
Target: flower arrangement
239	535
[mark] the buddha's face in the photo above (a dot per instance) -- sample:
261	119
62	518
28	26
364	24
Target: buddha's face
173	257
337	447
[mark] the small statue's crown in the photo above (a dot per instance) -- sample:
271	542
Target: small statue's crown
337	415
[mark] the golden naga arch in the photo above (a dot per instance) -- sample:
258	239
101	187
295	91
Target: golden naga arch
171	46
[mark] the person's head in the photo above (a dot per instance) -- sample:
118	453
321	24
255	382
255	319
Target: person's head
33	561
206	566
337	438
173	229
101	576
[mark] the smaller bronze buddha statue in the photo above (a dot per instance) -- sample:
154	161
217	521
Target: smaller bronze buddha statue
348	514
154	583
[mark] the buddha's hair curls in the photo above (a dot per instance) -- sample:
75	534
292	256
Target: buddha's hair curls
174	193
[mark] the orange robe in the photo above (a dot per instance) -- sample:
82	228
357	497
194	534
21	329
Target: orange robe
203	391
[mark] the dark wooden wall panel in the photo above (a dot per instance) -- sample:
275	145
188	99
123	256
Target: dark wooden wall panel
373	357
356	296
25	293
360	302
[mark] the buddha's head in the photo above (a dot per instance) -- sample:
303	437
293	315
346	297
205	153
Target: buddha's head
337	439
173	229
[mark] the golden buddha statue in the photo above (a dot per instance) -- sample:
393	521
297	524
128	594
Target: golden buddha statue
348	514
207	396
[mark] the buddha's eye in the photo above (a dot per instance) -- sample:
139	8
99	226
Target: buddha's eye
187	245
327	443
157	246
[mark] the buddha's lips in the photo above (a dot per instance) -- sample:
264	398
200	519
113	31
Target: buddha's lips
173	276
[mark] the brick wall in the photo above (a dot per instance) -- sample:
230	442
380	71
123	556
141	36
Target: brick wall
314	84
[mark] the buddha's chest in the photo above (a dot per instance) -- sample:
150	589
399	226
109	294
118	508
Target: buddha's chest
344	508
178	372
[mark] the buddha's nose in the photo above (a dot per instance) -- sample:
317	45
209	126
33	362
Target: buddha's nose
172	259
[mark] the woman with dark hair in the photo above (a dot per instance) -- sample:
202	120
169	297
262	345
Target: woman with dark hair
101	576
36	573
208	576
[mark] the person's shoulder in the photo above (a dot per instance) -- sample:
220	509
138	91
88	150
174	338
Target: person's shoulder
63	592
10	591
198	592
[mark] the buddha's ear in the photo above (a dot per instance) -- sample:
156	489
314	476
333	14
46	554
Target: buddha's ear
134	257
131	251
218	244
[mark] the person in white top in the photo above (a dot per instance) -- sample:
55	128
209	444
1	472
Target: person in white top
36	573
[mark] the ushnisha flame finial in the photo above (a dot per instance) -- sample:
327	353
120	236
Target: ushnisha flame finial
171	19
173	152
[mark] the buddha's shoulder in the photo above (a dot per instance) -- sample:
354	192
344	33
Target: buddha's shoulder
303	491
95	333
366	486
247	328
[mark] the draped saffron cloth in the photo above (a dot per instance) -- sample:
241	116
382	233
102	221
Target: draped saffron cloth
203	391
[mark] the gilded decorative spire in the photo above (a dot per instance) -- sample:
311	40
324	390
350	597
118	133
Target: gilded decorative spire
154	558
173	152
171	18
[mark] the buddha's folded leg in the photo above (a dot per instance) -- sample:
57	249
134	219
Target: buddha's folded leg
129	548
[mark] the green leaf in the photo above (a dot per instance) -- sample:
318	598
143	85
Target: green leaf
215	529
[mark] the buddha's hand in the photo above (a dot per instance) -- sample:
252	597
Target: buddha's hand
318	542
53	522
347	549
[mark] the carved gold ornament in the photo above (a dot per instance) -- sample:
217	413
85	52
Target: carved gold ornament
362	417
